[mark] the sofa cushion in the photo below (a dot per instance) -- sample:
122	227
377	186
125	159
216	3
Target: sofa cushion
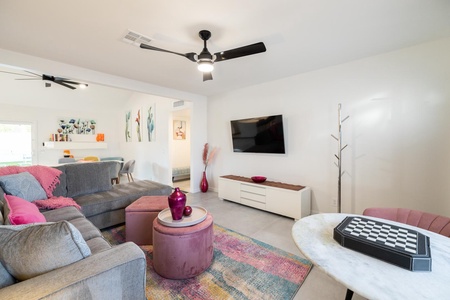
87	178
23	185
22	211
120	196
29	251
76	218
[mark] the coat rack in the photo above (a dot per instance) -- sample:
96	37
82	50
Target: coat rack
339	155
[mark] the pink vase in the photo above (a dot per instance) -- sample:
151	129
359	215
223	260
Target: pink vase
177	202
204	183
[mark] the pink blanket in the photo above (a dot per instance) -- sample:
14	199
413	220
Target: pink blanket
48	177
56	202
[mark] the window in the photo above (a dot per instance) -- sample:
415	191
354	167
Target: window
15	144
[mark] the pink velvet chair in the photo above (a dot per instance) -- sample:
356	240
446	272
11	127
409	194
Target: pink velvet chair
431	222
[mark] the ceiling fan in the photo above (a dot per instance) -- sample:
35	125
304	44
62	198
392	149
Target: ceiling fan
58	80
205	60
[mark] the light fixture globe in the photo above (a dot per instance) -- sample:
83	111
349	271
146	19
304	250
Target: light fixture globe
205	66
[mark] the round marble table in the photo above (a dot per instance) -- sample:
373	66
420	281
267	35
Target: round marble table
367	276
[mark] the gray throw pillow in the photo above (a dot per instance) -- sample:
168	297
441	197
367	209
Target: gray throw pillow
31	250
88	178
23	185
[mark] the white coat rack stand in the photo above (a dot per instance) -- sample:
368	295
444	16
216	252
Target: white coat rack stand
339	155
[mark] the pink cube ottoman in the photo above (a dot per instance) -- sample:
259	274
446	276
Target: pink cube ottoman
182	252
139	217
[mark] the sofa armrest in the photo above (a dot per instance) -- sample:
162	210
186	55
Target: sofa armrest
116	273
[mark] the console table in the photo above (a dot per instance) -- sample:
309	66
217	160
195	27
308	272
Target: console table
289	200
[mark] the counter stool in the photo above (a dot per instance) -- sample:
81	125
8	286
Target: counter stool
139	217
182	252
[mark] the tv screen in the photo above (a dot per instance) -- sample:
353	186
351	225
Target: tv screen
258	135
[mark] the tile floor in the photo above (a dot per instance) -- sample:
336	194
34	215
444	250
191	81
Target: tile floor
274	230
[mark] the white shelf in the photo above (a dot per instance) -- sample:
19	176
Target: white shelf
75	145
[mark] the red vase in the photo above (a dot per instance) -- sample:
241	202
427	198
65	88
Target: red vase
177	202
204	183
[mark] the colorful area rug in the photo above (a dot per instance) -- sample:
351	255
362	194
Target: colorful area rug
242	268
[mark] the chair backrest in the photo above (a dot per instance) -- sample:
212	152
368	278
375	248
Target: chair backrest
131	168
115	158
431	222
65	160
91	158
128	167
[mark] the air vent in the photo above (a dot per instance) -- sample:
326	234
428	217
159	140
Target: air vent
135	38
178	103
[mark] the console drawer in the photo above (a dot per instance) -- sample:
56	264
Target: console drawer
253	189
254	204
253	197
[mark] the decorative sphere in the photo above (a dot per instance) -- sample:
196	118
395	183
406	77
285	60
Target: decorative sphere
187	211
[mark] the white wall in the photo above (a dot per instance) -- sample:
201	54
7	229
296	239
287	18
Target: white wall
101	108
152	157
30	101
398	131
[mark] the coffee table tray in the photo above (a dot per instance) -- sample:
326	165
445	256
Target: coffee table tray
198	215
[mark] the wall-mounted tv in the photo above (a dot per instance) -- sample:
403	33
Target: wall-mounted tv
258	135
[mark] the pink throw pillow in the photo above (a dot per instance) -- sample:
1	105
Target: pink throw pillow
23	212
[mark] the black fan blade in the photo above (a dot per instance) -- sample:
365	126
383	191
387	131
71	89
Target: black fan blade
20	74
190	55
239	52
71	82
32	73
64	84
207	76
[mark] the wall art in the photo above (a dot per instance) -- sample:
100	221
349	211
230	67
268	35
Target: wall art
179	130
76	126
128	126
151	123
137	121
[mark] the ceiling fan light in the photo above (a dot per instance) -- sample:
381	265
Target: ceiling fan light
205	66
82	85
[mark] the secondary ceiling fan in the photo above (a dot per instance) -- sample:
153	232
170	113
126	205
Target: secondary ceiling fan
205	60
58	80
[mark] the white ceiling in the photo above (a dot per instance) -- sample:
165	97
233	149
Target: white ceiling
300	35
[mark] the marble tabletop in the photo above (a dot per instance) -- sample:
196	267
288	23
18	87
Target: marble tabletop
367	276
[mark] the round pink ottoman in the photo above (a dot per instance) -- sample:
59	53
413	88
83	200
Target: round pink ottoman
182	252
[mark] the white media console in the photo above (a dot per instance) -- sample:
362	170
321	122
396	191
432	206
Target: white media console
289	200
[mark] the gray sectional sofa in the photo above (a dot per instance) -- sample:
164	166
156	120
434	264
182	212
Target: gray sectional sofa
67	257
89	184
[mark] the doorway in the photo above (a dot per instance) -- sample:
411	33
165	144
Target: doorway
181	149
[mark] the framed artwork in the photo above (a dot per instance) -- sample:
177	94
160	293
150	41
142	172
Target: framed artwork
137	120
151	123
76	126
128	126
179	130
